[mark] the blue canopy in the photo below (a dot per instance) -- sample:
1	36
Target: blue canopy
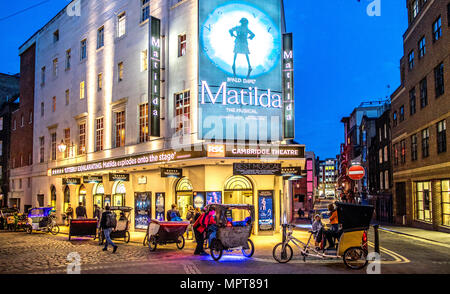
40	211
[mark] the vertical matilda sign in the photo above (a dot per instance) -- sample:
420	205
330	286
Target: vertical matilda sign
288	86
240	88
154	77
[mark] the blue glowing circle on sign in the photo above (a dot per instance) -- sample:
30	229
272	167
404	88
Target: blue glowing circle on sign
241	40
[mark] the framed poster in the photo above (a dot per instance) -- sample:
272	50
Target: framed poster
265	210
199	200
142	210
214	197
159	206
107	201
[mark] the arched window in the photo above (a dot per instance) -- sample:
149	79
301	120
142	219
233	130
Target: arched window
66	197
184	185
238	183
53	196
82	195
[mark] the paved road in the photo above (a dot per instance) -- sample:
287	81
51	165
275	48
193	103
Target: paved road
44	253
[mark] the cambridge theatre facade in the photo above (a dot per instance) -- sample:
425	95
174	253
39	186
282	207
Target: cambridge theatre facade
148	103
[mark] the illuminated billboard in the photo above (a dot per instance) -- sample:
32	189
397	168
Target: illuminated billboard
240	78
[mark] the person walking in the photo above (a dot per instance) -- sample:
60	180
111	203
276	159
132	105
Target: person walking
69	213
81	211
200	232
107	224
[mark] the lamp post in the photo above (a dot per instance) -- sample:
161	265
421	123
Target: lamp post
62	147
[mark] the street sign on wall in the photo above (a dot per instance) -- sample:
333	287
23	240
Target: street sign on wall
356	172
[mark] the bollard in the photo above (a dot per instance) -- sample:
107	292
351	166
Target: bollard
377	238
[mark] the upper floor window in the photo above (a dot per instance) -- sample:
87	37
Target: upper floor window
425	143
394	119
83	49
439	79
99	82
120	71
415	8
99	134
423	93
55	67
145	10
402	113
42	109
437	29
414	147
411	59
14	124
53	104
30	120
82	138
183	112
403	151
53	146
120	129
82	90
121	24
56	36
422	47
100	37
67	142
441	136
68	57
22	121
41	149
144	60
182	42
412	101
67	97
143	123
43	75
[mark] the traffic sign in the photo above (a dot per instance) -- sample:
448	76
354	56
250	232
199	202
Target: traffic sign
356	172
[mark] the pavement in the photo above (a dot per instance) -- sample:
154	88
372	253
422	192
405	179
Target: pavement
425	235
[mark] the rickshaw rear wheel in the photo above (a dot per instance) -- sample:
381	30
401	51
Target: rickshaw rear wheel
180	242
126	239
250	251
29	229
355	258
152	244
145	242
54	229
216	250
278	254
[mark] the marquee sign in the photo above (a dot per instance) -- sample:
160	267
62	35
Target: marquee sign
171	172
71	181
260	169
240	87
92	179
288	86
154	77
119	177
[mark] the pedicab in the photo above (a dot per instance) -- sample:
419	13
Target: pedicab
121	231
232	235
163	233
42	219
353	244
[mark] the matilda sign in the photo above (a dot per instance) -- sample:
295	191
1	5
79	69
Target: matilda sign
240	88
288	86
154	77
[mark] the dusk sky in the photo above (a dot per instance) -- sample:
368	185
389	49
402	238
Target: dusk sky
342	57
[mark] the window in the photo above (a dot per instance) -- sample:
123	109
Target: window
412	101
385	131
53	146
441	136
83	50
41	149
422	48
439	79
380	156
82	96
99	82
56	36
415	8
55	67
82	138
386	158
414	147
182	45
394	119
386	179
425	143
145	10
67	142
100	37
53	104
183	113
67	97
437	29
99	134
120	71
423	201
68	57
143	123
423	93
42	109
445	200
22	121
411	59
121	24
14	124
43	76
402	113
381	181
144	60
30	117
395	154
403	151
1	123
120	129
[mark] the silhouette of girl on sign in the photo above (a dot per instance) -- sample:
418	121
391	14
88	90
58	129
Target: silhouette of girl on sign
242	34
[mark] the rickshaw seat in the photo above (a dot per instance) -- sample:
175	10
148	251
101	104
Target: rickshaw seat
349	238
121	225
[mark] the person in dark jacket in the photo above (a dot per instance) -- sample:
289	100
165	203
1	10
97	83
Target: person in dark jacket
107	230
200	233
173	210
80	211
69	213
97	212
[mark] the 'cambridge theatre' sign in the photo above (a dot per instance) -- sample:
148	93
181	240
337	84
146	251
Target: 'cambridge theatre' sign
154	77
240	87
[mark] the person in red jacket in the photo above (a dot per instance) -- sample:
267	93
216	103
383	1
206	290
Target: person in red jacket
199	231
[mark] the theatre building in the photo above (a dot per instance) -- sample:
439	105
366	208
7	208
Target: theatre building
149	103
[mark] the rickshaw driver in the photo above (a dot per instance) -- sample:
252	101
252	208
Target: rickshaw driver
334	232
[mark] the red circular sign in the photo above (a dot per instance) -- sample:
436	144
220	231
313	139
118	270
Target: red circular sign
356	172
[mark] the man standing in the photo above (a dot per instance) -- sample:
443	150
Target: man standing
81	211
107	224
97	213
69	213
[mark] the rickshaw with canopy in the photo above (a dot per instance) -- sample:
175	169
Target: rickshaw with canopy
234	227
354	220
121	231
42	219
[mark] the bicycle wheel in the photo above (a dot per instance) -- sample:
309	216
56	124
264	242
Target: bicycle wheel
152	244
54	229
216	250
29	229
126	239
355	258
180	242
145	242
279	255
250	251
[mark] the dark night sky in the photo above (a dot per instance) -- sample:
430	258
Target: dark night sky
342	57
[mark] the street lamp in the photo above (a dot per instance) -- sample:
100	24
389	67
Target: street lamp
62	147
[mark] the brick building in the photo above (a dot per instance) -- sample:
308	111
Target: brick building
420	112
21	156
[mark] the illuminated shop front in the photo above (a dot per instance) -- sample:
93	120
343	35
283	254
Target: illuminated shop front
184	196
99	195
